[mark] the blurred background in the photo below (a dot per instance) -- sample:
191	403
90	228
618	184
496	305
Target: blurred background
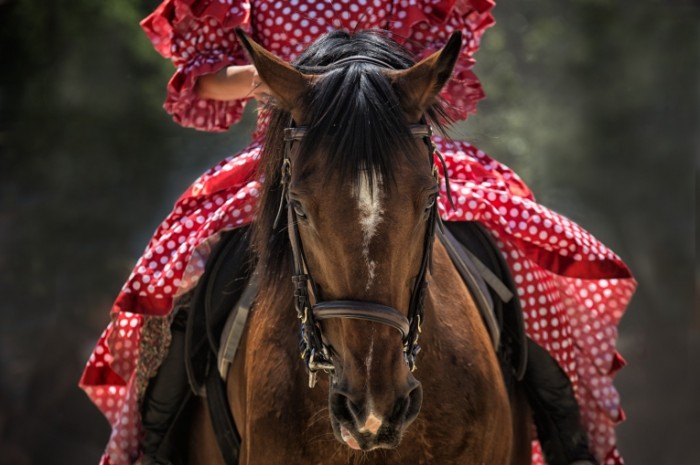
594	102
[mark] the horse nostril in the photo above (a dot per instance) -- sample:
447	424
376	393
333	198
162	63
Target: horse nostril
406	408
414	399
344	408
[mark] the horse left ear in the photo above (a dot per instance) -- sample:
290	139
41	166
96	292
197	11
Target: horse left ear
421	83
287	84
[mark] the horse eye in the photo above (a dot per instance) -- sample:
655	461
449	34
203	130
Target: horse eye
298	210
431	202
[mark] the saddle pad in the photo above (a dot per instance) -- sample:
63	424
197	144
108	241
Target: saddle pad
218	291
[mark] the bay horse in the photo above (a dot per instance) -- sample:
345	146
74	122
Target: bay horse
349	211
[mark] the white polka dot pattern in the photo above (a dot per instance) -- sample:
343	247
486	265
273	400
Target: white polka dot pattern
428	29
198	36
572	288
223	198
112	363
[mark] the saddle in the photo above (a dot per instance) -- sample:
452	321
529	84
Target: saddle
219	290
228	287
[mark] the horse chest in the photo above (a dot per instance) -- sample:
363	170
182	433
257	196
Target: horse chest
279	416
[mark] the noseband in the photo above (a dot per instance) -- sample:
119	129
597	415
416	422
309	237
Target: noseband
310	309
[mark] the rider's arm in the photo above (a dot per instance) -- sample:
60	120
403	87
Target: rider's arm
231	83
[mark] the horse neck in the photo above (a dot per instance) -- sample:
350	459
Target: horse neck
453	324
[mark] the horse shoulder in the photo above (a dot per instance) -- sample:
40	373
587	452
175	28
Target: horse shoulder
464	376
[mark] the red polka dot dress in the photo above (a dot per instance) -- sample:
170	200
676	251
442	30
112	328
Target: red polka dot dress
573	289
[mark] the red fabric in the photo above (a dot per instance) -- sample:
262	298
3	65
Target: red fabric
424	27
573	289
198	36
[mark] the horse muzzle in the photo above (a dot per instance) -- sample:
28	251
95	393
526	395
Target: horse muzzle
365	424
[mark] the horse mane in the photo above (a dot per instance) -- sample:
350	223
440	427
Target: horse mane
354	114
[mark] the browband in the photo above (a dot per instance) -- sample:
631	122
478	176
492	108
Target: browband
417	130
361	59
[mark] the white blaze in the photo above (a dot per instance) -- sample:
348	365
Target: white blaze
370	208
368	361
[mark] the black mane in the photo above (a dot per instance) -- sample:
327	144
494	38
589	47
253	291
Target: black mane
353	115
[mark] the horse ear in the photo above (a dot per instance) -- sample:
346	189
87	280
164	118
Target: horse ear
287	84
420	84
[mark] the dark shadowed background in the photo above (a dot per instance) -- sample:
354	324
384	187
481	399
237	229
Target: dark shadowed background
595	103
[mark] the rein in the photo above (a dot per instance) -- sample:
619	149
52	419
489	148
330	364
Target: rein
310	309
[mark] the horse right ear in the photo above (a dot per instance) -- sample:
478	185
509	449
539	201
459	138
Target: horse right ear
287	85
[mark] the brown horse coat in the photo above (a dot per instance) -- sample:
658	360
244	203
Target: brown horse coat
466	415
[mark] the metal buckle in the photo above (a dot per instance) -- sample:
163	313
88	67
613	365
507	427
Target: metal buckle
286	170
322	363
313	378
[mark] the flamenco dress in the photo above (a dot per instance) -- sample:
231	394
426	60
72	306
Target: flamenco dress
572	288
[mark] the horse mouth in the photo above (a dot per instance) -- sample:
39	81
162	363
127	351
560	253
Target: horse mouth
349	439
366	441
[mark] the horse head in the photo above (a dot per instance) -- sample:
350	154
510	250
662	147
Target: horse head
356	177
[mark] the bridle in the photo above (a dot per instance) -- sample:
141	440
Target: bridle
311	310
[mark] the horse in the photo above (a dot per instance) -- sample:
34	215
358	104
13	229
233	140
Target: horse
346	250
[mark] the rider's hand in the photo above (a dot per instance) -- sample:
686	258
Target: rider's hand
260	91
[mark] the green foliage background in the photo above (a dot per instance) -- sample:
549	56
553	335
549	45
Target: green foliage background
594	102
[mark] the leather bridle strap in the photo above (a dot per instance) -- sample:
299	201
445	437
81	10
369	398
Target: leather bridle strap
361	59
314	351
419	131
360	310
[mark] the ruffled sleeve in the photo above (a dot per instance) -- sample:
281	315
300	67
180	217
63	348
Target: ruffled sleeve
198	36
427	24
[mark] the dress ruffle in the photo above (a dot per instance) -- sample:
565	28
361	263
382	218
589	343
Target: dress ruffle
425	27
573	289
198	36
222	198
